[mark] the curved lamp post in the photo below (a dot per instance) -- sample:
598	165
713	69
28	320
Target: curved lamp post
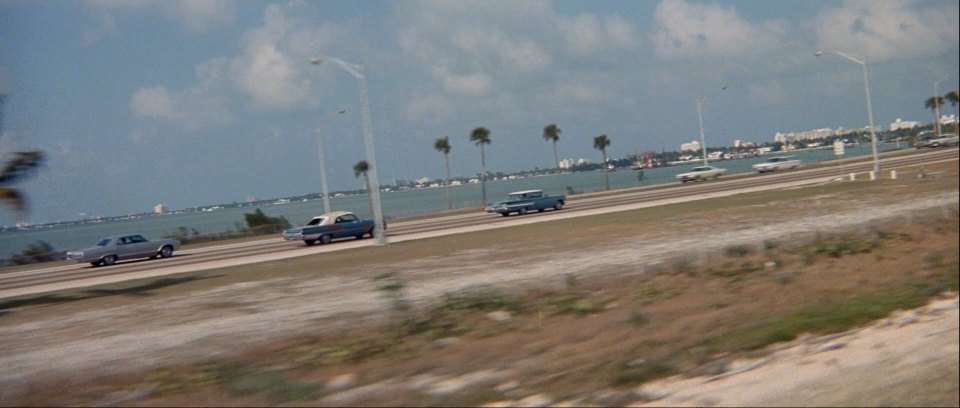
703	142
356	71
866	85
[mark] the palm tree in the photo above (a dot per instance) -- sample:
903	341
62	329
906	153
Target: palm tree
361	168
934	105
442	145
481	136
15	169
954	100
600	143
552	133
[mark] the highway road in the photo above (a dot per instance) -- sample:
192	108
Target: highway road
24	282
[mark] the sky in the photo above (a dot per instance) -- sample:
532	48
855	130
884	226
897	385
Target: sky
198	102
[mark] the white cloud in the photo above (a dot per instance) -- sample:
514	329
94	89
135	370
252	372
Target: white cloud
190	109
589	34
491	49
272	71
686	30
199	15
193	108
579	93
273	68
156	102
884	30
270	77
195	15
495	48
620	33
469	84
435	107
769	93
106	26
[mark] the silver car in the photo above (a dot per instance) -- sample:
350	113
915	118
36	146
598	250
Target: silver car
120	247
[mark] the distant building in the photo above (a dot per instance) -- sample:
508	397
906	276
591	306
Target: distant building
901	124
160	209
693	146
569	163
791	137
948	119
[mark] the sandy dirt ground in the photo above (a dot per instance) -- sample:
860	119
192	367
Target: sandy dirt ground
149	333
886	364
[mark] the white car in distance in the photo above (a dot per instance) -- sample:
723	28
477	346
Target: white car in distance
777	163
701	173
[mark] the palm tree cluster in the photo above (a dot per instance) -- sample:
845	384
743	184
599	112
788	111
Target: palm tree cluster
600	143
935	102
480	136
442	145
21	165
361	169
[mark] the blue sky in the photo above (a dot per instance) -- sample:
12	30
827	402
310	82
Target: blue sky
191	103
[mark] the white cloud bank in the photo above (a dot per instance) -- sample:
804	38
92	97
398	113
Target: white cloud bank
884	30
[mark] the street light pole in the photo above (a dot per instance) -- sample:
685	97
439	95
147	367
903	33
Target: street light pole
323	166
323	171
703	142
357	72
866	85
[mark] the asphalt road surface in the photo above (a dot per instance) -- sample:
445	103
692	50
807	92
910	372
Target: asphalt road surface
24	282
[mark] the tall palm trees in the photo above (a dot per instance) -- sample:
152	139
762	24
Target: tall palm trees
442	144
551	133
600	143
934	105
15	169
20	166
953	99
481	136
361	168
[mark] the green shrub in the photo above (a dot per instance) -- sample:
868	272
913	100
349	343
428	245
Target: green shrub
639	373
37	252
259	219
639	318
738	251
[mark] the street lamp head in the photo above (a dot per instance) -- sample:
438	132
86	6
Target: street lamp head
818	53
316	60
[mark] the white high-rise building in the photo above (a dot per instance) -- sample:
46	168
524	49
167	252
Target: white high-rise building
903	124
693	146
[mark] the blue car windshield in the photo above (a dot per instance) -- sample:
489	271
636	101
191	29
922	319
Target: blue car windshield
104	242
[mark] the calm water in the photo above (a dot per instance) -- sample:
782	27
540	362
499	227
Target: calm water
395	204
